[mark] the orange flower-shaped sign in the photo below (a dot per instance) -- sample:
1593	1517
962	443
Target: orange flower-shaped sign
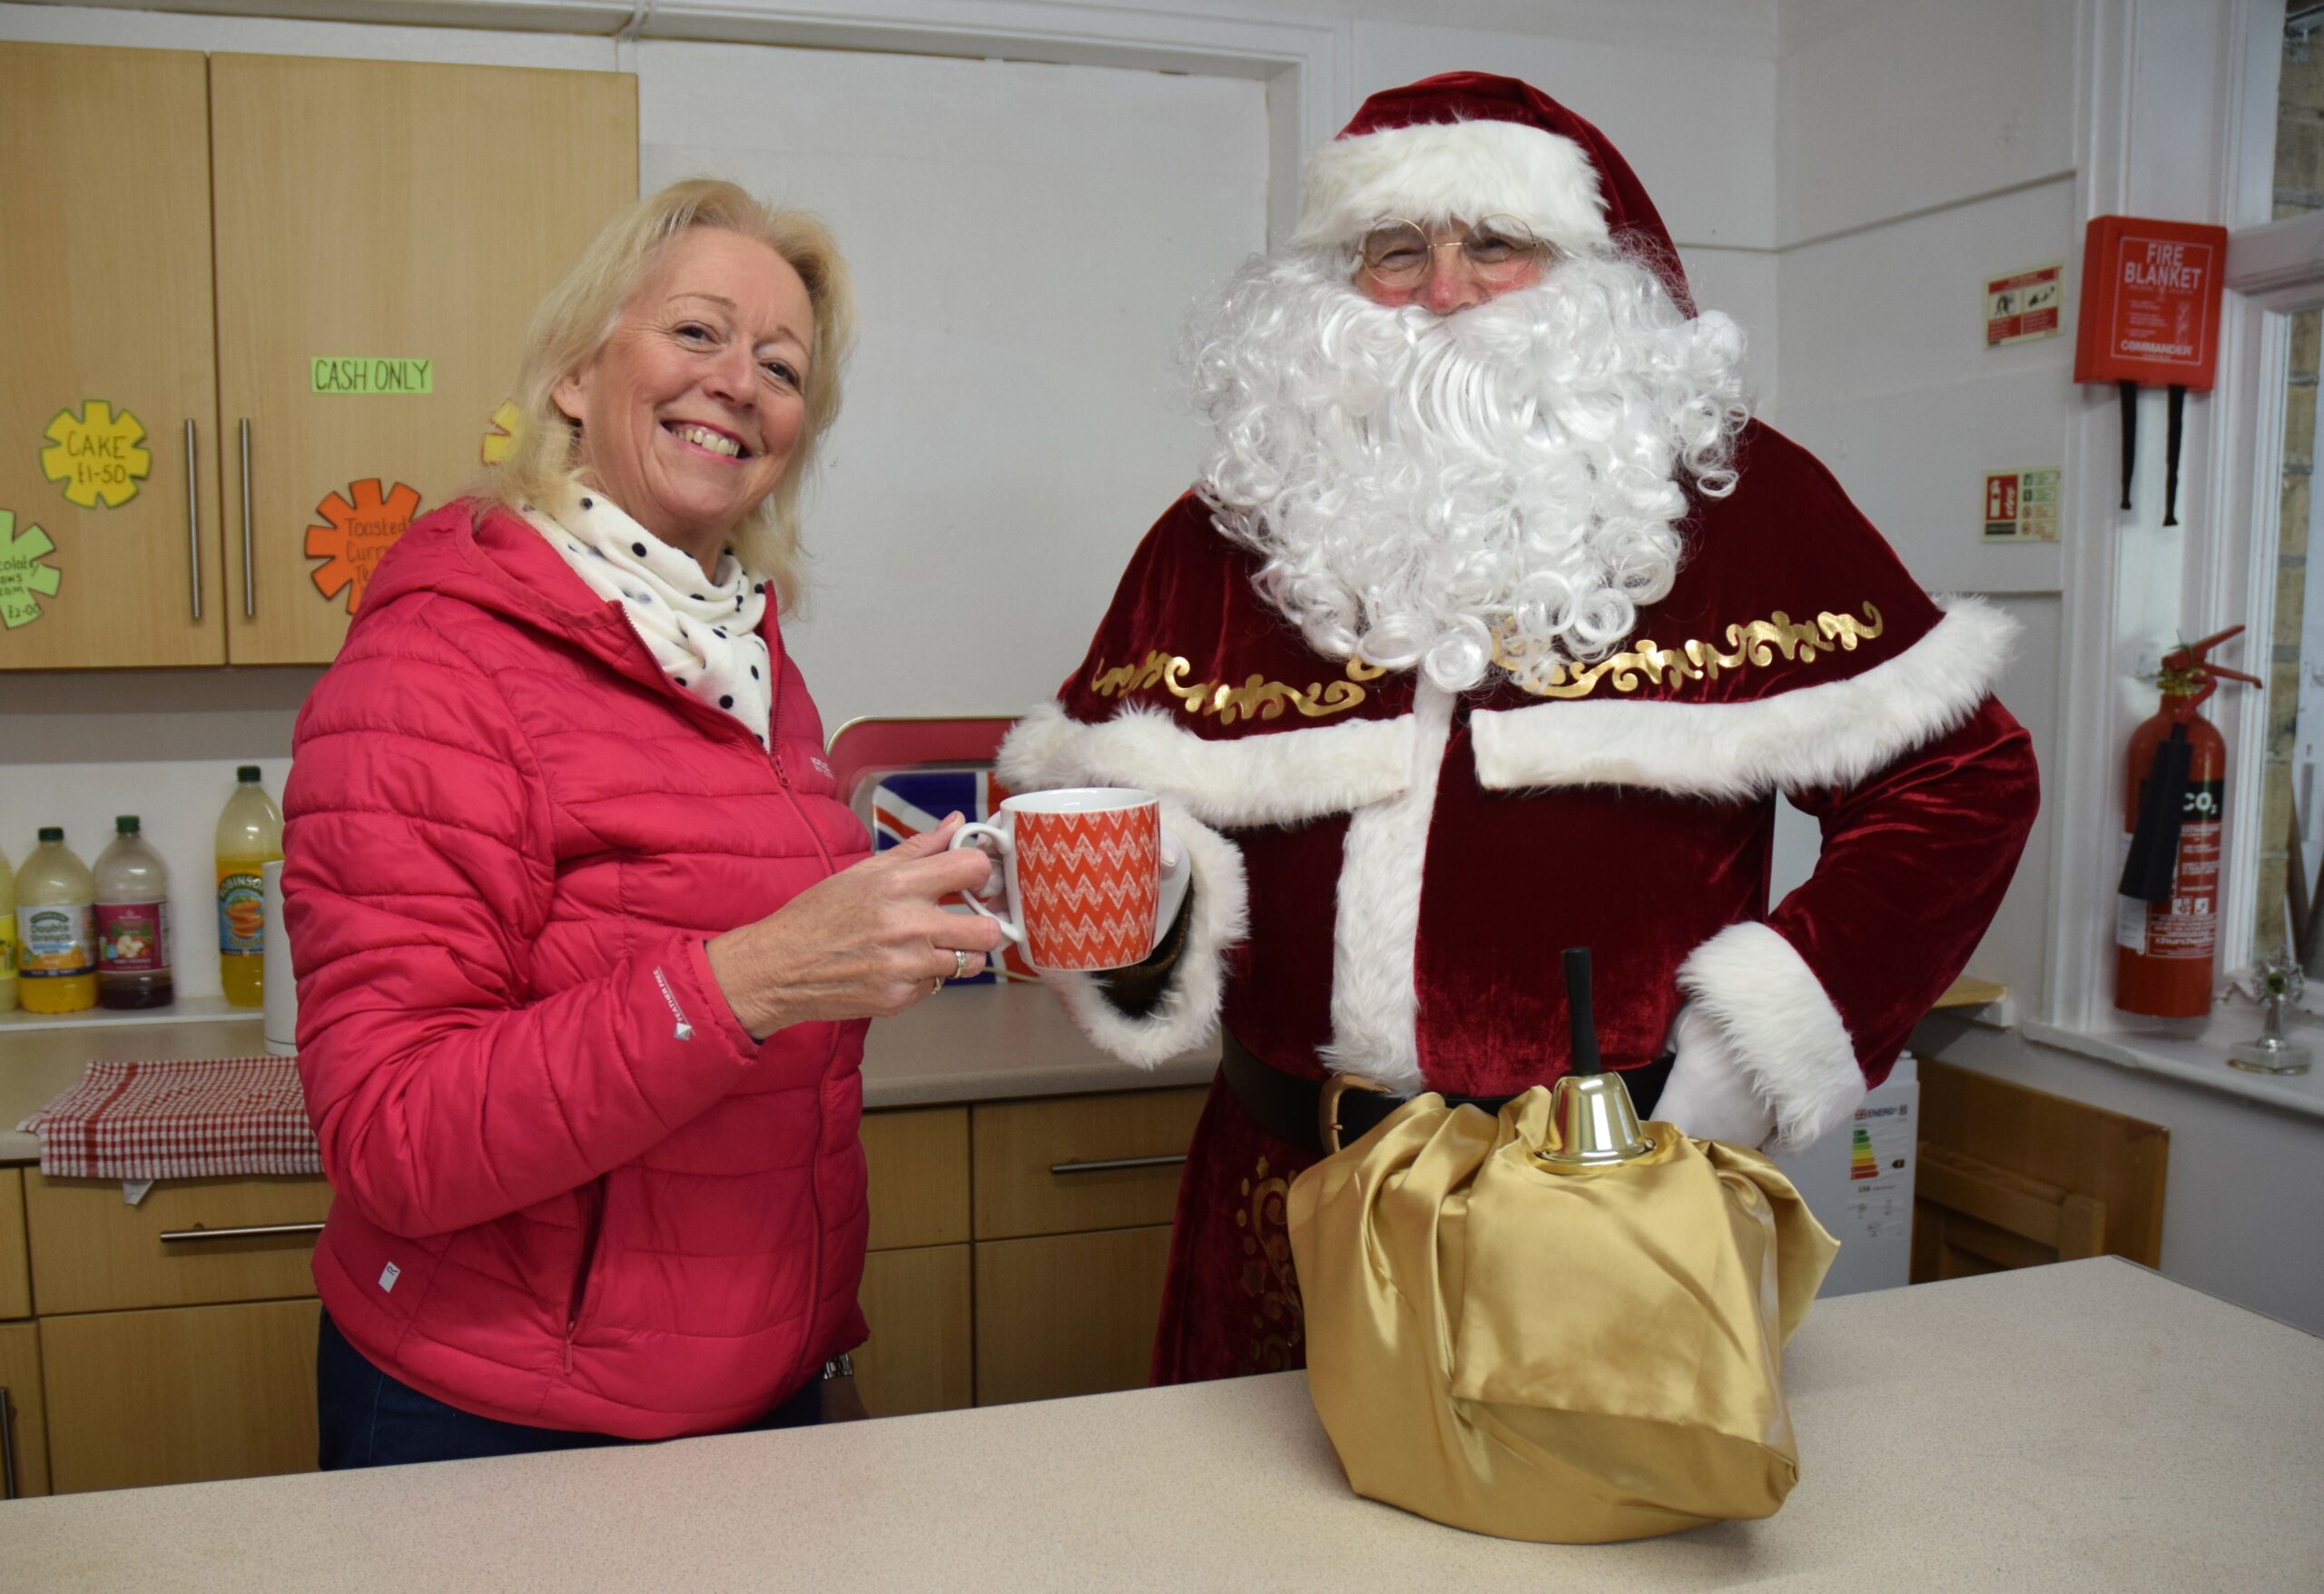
359	525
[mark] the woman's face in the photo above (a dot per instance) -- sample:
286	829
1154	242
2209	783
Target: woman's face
691	411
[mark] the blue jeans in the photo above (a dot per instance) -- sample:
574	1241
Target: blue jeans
368	1418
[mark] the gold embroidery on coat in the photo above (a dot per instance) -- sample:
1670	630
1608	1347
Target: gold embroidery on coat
1279	1321
1257	698
1753	644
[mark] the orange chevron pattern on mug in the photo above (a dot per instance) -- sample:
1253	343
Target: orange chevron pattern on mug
1083	868
1087	884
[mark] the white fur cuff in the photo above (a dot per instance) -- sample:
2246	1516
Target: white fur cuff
1187	1015
1780	1027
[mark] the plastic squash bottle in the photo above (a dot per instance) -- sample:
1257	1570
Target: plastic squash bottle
56	929
132	921
250	834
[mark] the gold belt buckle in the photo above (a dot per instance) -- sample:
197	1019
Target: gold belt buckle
1328	1107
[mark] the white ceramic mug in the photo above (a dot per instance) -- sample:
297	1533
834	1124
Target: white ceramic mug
1085	884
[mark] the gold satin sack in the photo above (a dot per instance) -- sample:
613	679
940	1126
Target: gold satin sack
1571	1356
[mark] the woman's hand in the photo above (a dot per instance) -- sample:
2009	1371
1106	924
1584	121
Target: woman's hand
868	942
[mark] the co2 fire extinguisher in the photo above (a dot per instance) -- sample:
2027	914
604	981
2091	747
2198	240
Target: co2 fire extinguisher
2166	924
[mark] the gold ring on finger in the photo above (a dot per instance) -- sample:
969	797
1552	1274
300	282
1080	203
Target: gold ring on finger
960	963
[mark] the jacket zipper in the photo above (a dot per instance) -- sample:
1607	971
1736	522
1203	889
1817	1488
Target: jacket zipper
814	1186
579	1298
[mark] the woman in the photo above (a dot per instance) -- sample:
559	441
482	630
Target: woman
586	942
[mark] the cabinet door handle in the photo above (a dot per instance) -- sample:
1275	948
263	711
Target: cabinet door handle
192	521
1116	1164
7	1444
250	571
254	1232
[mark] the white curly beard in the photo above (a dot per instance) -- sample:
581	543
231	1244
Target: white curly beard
1419	487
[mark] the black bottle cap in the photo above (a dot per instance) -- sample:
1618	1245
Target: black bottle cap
125	824
52	833
247	774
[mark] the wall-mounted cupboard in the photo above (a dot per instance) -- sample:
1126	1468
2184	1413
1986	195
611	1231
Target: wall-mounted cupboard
259	312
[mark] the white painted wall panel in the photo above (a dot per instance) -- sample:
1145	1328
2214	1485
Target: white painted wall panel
1027	240
1916	106
1902	306
1696	125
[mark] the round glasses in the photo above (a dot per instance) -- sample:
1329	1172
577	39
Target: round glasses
1498	248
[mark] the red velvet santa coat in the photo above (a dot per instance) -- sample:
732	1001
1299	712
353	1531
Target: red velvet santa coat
1384	874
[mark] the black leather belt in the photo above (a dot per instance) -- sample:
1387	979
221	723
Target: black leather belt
1292	1108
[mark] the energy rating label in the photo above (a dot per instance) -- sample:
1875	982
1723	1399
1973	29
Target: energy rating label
2021	506
95	455
24	579
1880	1155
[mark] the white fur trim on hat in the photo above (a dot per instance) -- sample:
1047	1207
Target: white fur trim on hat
1446	170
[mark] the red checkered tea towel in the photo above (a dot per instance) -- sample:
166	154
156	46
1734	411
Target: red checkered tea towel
178	1120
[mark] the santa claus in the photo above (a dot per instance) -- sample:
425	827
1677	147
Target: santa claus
1497	625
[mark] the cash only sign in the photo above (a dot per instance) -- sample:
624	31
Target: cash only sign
371	375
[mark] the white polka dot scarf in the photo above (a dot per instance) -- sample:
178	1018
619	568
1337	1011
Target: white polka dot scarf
702	630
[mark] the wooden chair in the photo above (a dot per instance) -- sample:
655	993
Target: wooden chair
2014	1178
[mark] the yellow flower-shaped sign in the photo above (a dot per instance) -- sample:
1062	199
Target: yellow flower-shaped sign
500	440
24	580
95	455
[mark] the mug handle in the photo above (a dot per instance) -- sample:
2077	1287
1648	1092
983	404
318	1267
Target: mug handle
1012	923
1170	891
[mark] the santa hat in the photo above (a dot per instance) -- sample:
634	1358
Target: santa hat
1470	145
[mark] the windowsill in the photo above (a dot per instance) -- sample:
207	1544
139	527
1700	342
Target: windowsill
2200	1059
200	1009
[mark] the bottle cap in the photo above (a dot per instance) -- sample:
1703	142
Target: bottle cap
52	833
247	774
125	824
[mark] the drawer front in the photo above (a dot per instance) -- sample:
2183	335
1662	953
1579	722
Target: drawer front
16	1268
917	1165
182	1396
92	1251
1068	1314
27	1414
1081	1162
917	1304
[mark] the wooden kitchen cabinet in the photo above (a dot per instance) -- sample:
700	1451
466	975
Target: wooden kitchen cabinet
92	1251
917	1359
1073	1208
1068	1314
27	1409
15	1265
183	1396
107	257
378	210
376	214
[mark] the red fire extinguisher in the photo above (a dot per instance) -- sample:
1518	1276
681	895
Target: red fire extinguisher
2166	924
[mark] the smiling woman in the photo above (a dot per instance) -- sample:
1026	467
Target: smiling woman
586	943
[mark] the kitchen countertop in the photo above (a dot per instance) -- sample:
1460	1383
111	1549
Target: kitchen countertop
2085	1426
971	1043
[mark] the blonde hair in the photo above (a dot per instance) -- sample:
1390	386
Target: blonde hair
580	313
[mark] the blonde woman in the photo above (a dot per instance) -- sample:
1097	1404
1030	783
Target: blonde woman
586	943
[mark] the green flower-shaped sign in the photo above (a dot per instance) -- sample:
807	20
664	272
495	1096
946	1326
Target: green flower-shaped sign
24	579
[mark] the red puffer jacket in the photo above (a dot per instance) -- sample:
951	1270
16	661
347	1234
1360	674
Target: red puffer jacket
572	1190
